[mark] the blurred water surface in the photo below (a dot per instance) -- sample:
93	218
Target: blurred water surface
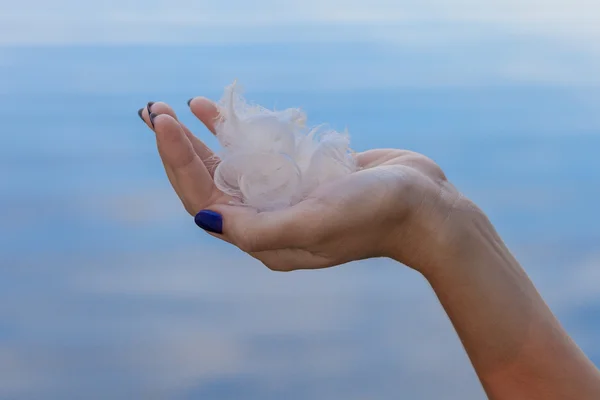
108	290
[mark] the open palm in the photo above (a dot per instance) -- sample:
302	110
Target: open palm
366	214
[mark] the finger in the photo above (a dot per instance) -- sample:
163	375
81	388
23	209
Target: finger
195	186
210	160
294	227
424	164
206	111
372	158
377	157
144	114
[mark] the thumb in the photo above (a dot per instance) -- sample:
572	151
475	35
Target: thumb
254	231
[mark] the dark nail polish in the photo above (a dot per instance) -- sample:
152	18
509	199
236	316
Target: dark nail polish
210	221
140	111
152	116
190	101
149	106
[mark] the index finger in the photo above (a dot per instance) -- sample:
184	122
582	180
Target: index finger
204	152
195	184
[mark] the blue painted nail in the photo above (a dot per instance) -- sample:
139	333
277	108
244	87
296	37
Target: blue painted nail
149	106
140	111
210	221
190	101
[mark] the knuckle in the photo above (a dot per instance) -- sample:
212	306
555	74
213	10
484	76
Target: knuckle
272	261
276	267
189	208
436	170
275	262
427	164
245	245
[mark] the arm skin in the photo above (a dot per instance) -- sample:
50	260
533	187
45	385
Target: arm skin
518	348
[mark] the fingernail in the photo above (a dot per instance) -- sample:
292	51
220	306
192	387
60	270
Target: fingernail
152	116
140	111
190	101
210	221
149	106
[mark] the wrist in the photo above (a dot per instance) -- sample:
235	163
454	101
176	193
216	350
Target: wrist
444	230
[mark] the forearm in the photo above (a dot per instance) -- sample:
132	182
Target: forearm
518	348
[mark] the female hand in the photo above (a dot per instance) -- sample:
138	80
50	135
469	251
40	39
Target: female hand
399	204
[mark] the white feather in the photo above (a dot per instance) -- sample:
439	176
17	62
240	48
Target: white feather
270	159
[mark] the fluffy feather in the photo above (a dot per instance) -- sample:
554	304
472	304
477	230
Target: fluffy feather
270	159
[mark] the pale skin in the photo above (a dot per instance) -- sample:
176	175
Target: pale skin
401	206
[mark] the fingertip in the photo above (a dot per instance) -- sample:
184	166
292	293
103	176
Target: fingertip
149	107
152	110
152	118
202	104
205	110
209	220
164	123
163	108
